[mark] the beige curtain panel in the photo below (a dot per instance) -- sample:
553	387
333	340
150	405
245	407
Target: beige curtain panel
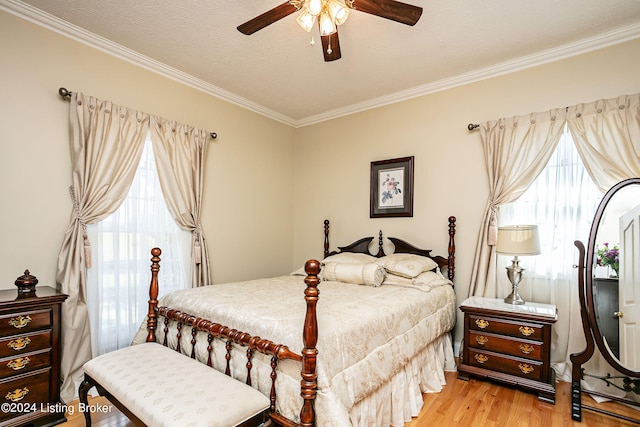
106	146
607	136
516	150
180	151
102	135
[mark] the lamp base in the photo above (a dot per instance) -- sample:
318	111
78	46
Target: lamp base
514	298
514	272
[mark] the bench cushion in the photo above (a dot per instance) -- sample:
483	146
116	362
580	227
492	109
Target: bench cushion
165	388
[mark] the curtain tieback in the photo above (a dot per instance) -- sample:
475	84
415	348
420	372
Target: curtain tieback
197	248
85	237
492	235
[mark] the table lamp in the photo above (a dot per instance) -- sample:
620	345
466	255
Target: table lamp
517	240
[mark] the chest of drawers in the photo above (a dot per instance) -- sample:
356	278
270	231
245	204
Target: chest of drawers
509	343
30	358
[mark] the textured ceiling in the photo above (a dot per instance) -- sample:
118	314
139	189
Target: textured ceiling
278	73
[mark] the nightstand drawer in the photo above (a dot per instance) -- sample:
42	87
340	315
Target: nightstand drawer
500	344
25	363
502	327
500	363
26	393
21	322
25	343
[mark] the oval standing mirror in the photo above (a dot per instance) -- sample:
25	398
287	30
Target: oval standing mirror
609	291
614	283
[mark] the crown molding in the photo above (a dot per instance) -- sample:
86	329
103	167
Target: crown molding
601	41
43	19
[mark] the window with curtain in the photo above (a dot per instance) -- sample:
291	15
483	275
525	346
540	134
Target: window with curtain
562	202
118	281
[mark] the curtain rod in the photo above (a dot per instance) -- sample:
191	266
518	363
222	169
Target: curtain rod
472	126
66	94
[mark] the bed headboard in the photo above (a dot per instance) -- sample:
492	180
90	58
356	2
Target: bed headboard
400	246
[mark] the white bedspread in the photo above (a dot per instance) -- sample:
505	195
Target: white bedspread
378	347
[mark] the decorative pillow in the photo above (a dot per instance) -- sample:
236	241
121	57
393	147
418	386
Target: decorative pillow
370	274
350	258
423	282
431	279
407	265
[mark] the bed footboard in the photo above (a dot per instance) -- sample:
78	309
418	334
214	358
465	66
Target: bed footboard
307	357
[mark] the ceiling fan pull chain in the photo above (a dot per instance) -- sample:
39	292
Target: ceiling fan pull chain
312	42
329	50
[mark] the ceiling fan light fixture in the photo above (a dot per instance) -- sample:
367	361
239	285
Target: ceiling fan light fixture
306	20
327	26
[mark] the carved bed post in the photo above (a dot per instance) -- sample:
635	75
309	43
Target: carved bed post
451	261
309	381
326	238
152	315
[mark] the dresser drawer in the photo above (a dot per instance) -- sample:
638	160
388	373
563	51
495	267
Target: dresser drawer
25	363
501	363
21	322
24	343
504	327
501	344
25	393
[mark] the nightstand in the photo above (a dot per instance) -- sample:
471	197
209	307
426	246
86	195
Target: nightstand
30	357
509	343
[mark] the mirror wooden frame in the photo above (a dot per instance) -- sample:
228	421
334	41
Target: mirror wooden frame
593	336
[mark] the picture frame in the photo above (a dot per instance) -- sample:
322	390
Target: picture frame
392	188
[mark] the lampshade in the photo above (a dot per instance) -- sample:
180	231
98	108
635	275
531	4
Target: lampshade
518	240
306	20
327	26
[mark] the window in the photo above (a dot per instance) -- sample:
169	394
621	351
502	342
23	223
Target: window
118	281
562	202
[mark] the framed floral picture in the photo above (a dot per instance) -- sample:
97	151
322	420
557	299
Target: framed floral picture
391	188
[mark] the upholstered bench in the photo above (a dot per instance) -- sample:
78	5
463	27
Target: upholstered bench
157	386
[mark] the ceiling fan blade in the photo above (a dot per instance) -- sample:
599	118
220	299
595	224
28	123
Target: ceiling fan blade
390	9
267	18
331	44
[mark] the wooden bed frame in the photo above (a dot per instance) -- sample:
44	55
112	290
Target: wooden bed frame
308	355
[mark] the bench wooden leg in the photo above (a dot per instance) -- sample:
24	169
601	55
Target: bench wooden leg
83	391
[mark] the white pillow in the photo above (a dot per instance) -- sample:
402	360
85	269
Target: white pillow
424	282
407	265
350	258
370	274
431	279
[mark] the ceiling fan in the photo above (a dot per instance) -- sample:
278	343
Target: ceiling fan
330	14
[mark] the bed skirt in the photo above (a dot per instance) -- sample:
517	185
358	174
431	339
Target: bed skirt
400	399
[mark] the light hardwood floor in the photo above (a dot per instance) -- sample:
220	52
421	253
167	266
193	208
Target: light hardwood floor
461	403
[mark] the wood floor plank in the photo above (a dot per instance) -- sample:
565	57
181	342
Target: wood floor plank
473	403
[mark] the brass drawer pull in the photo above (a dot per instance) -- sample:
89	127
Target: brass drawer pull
526	348
525	368
19	343
481	339
482	324
17	395
526	331
481	358
19	363
20	321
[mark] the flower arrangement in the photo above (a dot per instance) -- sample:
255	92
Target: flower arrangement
609	257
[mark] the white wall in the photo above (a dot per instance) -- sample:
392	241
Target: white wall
247	208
